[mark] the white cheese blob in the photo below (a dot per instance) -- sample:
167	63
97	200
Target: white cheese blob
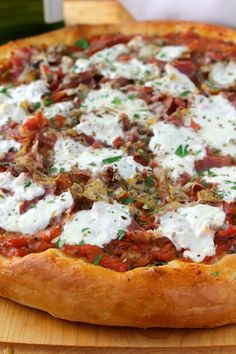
31	93
132	69
173	82
168	140
225	180
97	226
105	127
81	65
61	108
223	74
217	118
35	219
11	112
171	52
22	186
108	55
192	228
107	98
7	145
69	153
144	49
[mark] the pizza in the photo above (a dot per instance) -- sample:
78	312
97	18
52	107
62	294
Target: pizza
118	174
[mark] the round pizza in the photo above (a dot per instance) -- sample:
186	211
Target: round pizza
118	174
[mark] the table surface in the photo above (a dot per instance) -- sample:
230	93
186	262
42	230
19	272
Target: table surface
28	331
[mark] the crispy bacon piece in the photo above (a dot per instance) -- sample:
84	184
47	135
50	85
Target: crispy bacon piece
107	40
213	161
35	123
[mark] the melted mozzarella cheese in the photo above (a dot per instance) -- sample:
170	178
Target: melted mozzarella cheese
143	48
82	65
223	74
61	108
173	82
107	98
31	93
97	226
171	52
225	180
217	118
34	219
69	153
22	186
133	69
104	126
108	55
11	112
7	145
192	229
165	142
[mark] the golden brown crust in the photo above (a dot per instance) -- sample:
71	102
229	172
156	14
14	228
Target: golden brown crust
175	295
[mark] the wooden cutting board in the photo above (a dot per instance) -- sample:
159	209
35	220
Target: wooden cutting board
30	331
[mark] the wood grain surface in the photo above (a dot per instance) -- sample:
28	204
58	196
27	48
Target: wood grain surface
22	327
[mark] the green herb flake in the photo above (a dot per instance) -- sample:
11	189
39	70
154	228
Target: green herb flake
210	173
128	200
81	243
120	234
60	243
116	101
132	97
36	105
215	274
182	151
149	181
52	170
82	43
234	188
111	159
98	258
4	90
185	93
86	230
27	184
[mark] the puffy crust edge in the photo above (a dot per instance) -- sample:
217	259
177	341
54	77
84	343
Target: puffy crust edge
68	35
176	295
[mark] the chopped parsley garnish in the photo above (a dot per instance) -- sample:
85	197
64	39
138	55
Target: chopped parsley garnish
136	116
81	243
48	101
98	258
210	173
128	200
234	188
86	230
132	97
82	43
60	243
185	93
182	151
116	101
4	90
215	274
112	159
36	105
52	170
27	184
149	181
120	234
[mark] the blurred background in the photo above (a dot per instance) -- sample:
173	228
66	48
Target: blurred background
22	18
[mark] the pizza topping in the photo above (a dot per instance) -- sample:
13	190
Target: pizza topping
97	226
7	145
37	217
107	98
103	126
223	74
217	118
176	148
22	186
69	153
31	93
170	53
62	109
11	112
192	229
173	82
225	180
